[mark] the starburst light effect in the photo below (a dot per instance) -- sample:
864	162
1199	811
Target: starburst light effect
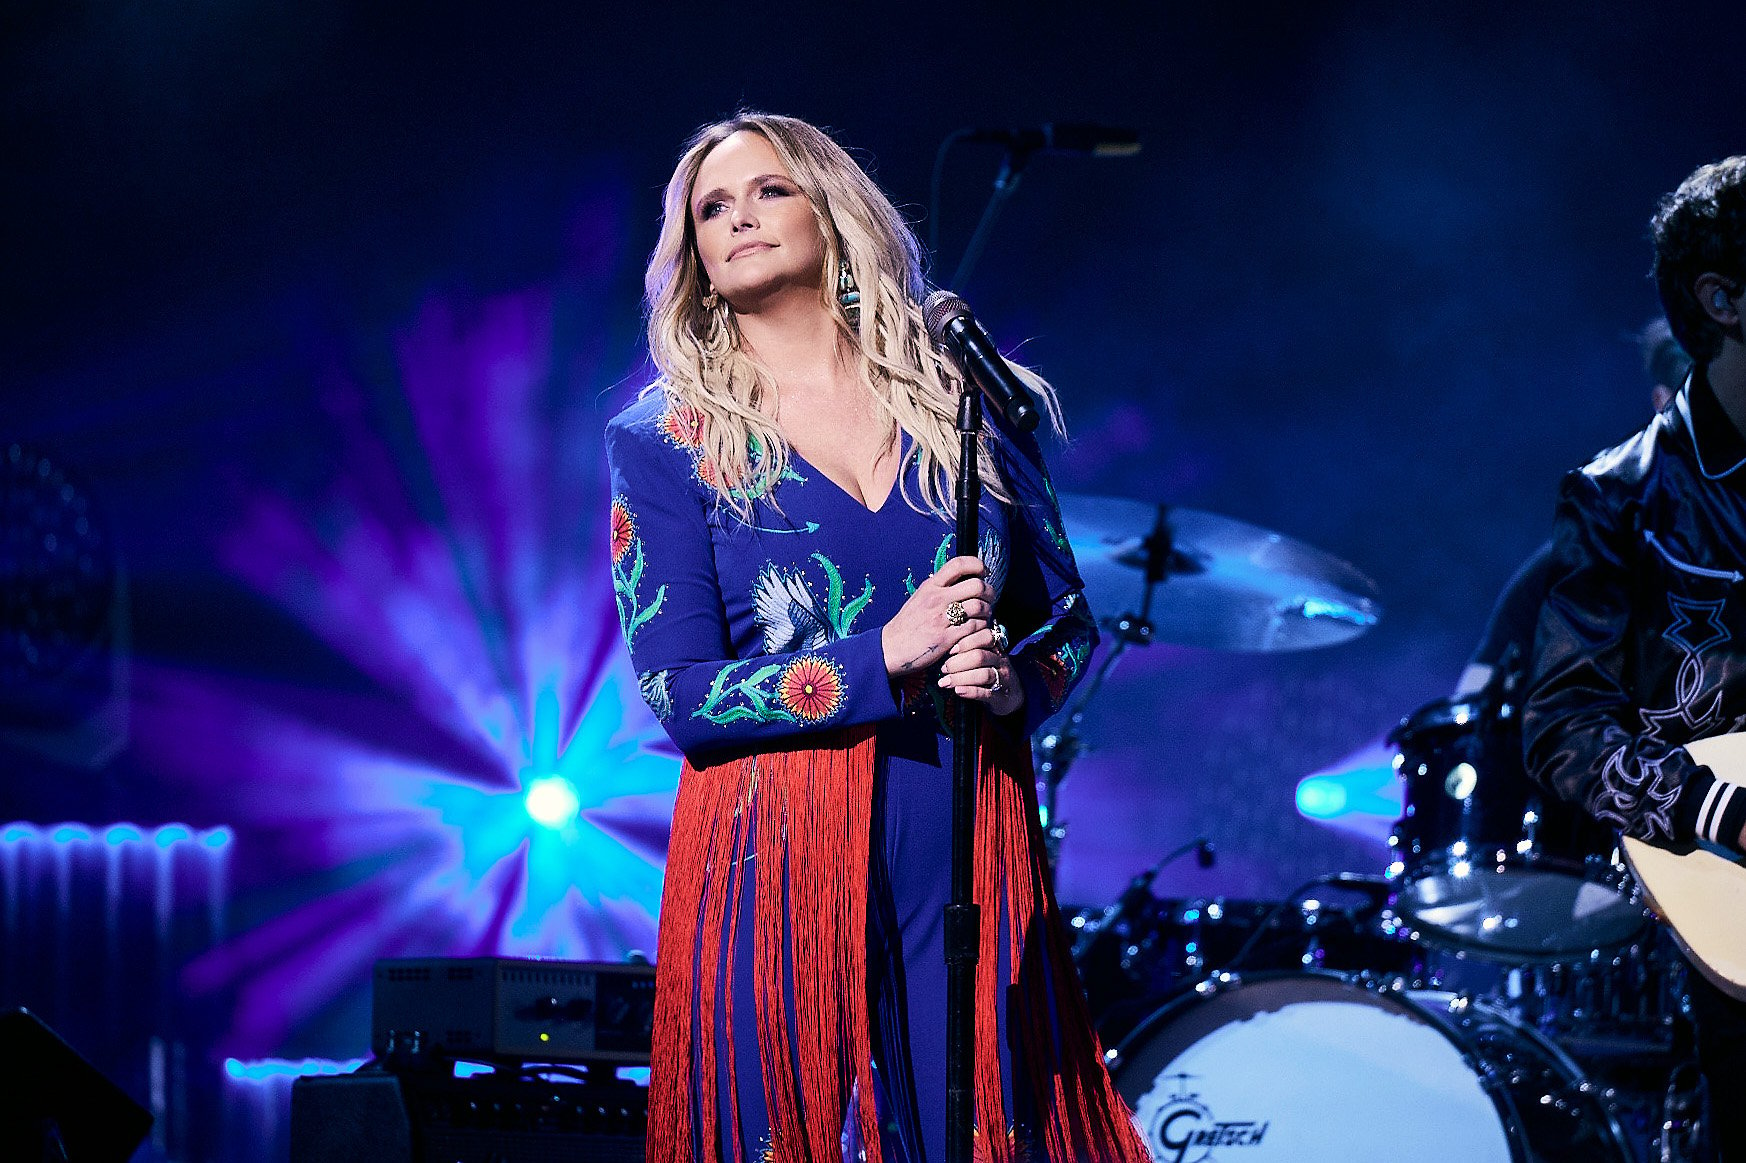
475	773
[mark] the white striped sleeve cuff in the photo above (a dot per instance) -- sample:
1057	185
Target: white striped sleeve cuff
1721	811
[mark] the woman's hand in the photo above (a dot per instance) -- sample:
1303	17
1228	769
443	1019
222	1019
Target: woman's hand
948	607
978	669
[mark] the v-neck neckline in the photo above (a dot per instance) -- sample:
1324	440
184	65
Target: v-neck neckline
902	467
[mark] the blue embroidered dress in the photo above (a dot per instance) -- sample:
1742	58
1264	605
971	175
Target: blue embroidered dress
749	634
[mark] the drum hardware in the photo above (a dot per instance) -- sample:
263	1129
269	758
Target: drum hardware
1230	586
1376	944
1622	1004
1056	750
1682	1116
1137	897
1134	955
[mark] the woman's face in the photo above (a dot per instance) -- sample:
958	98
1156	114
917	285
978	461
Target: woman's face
756	233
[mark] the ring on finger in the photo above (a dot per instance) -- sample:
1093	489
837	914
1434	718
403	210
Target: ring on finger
996	686
1000	638
955	615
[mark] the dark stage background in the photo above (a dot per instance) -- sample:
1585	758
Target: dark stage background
323	307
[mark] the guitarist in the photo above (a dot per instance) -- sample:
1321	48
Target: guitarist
1641	642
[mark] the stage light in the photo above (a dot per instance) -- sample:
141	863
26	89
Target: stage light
496	785
264	1069
1361	796
1321	797
553	802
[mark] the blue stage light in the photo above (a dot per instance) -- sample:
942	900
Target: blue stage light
171	834
552	800
1321	797
119	835
1364	799
263	1069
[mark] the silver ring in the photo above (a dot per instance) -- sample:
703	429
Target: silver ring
1000	638
955	615
996	686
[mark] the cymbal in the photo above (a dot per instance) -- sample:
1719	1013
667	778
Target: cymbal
1212	581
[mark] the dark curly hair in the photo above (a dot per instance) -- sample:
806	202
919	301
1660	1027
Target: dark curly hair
1700	227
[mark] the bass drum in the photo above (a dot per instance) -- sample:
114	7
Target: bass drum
1310	1067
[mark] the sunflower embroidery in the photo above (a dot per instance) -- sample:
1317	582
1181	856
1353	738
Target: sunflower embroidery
634	609
811	688
683	426
624	529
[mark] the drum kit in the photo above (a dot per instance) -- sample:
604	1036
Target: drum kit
1497	991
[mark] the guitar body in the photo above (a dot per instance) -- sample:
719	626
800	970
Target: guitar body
1700	893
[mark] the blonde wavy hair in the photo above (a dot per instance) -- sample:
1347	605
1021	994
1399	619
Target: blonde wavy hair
702	366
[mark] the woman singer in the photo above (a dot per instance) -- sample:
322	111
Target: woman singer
782	555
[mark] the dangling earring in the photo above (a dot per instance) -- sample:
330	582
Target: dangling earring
848	294
711	300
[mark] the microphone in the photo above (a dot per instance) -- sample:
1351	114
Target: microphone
951	326
1063	137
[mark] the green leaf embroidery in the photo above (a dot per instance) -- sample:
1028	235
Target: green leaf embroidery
842	617
758	706
632	614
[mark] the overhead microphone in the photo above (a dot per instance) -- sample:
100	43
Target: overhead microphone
951	326
1063	137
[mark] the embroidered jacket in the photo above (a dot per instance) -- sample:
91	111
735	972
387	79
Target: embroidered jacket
1641	645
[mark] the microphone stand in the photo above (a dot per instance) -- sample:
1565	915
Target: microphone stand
962	919
1005	186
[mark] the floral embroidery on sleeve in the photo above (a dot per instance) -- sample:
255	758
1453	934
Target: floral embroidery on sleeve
627	580
811	688
808	689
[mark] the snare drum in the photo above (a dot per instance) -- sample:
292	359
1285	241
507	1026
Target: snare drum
1487	864
1310	1067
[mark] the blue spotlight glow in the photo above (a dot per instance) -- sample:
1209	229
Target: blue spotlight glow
552	801
120	835
1321	797
263	1069
1363	796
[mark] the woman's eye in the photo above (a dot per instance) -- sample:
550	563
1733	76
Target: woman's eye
775	191
708	210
